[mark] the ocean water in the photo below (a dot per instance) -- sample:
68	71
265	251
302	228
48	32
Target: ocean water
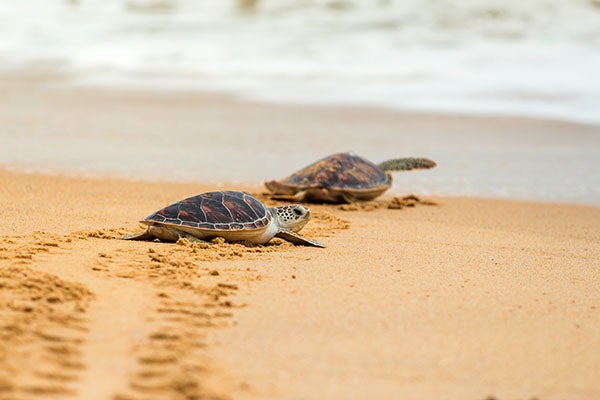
532	57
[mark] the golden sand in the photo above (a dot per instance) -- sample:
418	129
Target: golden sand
453	299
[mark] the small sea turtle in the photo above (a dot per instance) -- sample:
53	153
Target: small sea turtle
234	216
343	178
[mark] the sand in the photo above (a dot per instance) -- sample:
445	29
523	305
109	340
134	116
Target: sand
450	298
468	298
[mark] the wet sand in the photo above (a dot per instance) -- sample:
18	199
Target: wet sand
468	298
50	126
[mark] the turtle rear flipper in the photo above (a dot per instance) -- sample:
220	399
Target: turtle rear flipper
407	164
317	195
311	195
137	236
294	238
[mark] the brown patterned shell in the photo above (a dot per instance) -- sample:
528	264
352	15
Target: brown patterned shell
223	211
343	171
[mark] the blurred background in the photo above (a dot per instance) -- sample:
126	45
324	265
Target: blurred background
524	57
436	59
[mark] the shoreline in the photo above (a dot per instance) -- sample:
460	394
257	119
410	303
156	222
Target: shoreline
51	127
251	187
467	299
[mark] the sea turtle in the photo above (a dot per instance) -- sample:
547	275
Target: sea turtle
343	178
234	216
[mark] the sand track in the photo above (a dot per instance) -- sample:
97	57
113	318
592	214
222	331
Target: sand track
43	324
112	333
141	330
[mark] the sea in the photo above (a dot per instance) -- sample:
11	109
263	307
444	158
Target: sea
531	58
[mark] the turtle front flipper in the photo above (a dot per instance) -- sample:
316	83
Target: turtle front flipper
407	164
294	238
279	188
299	196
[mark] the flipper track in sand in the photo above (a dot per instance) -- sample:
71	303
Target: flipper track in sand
129	328
43	324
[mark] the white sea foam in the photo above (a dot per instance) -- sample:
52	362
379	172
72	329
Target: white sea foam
535	57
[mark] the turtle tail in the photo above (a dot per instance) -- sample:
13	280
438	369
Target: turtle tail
406	164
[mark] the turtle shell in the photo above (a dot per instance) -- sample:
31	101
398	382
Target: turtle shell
222	211
342	171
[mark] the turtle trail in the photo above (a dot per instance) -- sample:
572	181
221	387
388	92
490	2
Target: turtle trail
112	332
82	323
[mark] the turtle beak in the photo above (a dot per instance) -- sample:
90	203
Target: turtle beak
307	212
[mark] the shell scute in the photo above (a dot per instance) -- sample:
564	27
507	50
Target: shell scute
227	210
340	171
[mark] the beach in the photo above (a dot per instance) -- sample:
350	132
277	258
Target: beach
453	297
53	125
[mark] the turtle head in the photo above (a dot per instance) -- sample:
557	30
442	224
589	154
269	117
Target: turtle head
292	216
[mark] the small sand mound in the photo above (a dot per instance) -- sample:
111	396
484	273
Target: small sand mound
411	200
362	206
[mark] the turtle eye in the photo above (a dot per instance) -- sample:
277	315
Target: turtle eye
298	211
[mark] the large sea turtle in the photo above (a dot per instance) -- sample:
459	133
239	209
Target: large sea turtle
343	178
234	216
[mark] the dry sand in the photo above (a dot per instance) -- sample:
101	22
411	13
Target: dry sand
466	299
